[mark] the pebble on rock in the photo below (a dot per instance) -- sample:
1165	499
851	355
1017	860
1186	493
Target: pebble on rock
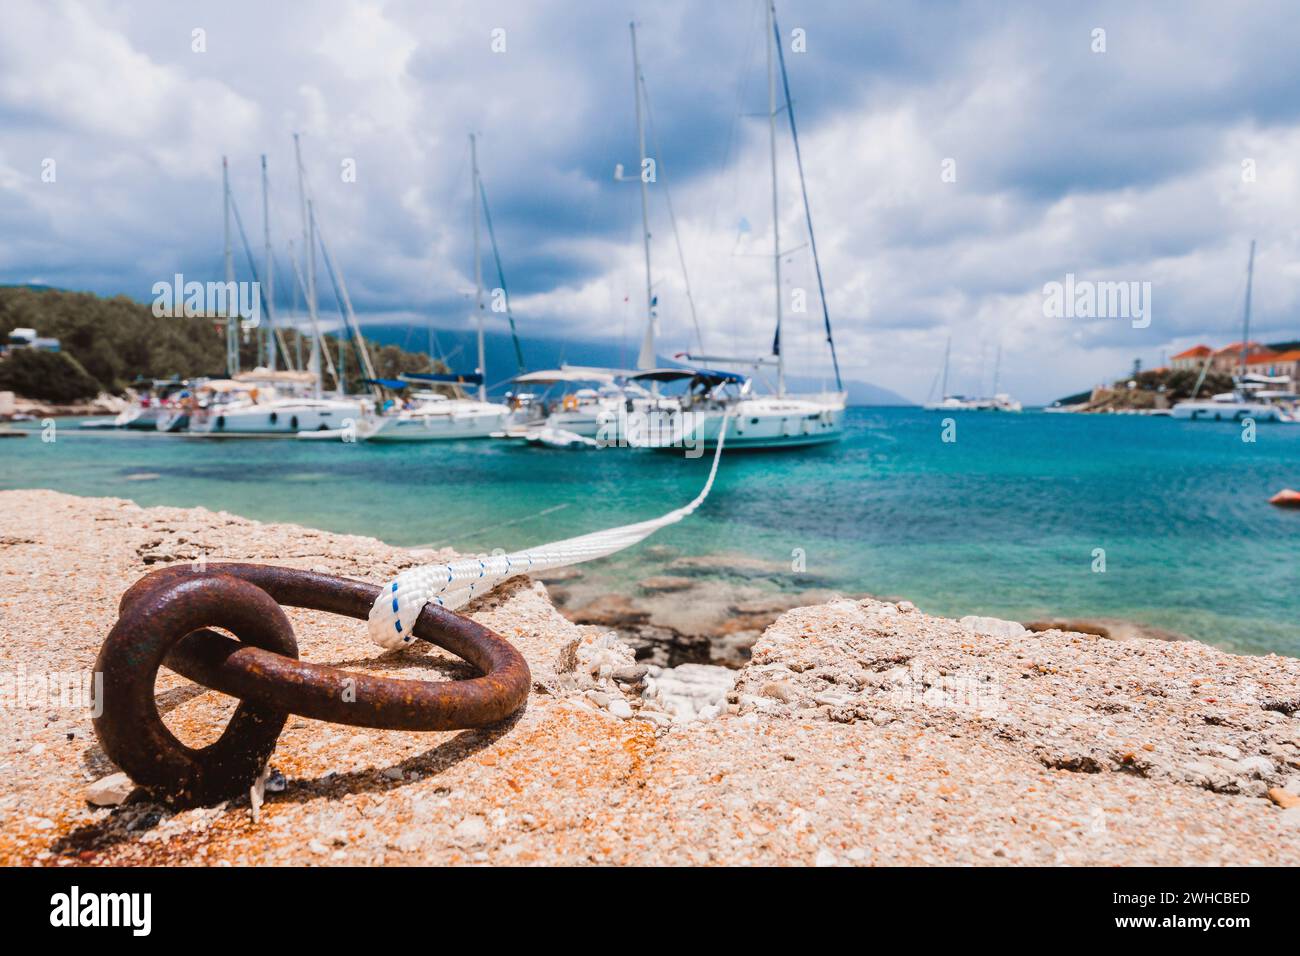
1284	798
110	791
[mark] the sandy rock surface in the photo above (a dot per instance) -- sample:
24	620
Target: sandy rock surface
860	732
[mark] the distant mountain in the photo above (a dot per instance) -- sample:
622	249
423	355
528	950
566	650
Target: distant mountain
860	393
459	350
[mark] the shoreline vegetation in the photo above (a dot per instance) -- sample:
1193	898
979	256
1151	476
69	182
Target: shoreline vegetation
106	344
898	737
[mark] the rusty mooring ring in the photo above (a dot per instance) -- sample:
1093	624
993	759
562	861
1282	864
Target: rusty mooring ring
163	619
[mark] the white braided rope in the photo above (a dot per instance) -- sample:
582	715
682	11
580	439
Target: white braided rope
454	585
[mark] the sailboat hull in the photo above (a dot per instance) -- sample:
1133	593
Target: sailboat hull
475	420
757	423
284	418
1212	411
777	423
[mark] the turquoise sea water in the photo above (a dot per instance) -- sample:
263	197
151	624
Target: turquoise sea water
1004	521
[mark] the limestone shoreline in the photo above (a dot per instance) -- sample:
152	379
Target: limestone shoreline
860	732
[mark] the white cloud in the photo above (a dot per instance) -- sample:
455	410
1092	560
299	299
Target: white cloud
1122	166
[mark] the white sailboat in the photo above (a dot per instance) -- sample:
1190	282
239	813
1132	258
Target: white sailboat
592	403
1262	398
431	416
271	404
998	402
265	402
782	420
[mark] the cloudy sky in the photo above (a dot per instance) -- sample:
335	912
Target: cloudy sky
1155	159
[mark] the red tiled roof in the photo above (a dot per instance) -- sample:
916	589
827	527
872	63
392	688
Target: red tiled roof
1262	358
1236	347
1196	351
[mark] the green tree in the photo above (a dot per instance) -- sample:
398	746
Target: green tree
46	376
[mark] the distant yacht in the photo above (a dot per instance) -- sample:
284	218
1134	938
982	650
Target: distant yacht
157	401
1262	398
999	402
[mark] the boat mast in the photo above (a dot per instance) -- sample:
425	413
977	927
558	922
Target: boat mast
646	357
364	363
232	320
268	339
309	255
776	217
1245	322
478	267
997	368
947	348
803	192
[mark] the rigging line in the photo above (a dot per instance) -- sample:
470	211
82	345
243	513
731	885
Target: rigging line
316	332
463	535
672	216
261	291
501	275
742	85
278	279
344	327
803	188
350	319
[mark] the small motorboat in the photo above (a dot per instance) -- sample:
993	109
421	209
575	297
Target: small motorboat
560	438
1286	498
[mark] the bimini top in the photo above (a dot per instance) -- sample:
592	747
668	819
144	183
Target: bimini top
450	378
276	376
568	374
392	384
224	385
706	375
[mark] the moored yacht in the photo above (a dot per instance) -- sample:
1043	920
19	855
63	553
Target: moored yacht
267	403
573	400
425	415
1258	397
780	420
1261	398
755	421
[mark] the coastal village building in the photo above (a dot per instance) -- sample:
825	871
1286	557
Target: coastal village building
1228	358
1274	363
1260	360
28	339
1191	360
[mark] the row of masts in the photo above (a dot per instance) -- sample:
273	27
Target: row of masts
271	341
306	276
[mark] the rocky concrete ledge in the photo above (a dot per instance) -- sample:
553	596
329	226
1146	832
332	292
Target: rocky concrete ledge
860	732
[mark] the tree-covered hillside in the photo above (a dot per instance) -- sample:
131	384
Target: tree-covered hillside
108	343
